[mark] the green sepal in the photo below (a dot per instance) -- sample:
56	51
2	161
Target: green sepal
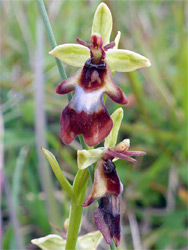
111	139
86	158
102	22
72	54
125	60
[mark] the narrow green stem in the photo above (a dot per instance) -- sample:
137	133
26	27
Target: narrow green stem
113	246
74	225
79	180
81	139
75	220
52	40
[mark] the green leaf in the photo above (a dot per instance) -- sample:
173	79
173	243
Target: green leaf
125	60
49	242
72	54
111	139
88	157
52	241
58	172
102	23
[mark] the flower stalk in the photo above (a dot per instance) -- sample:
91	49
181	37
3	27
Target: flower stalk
75	215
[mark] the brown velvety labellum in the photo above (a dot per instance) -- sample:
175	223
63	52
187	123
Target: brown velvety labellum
94	127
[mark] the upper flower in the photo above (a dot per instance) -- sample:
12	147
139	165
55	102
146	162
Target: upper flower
86	113
118	59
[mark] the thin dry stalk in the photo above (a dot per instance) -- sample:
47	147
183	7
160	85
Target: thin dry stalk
134	230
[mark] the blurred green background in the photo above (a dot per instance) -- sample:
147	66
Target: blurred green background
154	201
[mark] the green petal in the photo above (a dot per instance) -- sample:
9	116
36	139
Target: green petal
87	157
117	40
72	54
111	139
89	241
102	23
125	60
49	242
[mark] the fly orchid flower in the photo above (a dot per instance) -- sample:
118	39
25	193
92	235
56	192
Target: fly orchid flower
106	181
108	187
86	113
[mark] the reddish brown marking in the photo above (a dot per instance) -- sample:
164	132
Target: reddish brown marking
113	182
97	125
61	89
108	224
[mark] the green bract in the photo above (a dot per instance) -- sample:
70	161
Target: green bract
55	242
87	157
111	139
58	172
118	59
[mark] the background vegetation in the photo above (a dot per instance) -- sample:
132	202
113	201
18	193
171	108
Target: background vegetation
155	194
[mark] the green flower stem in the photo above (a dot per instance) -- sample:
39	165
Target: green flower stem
52	40
80	179
84	146
113	246
74	225
75	220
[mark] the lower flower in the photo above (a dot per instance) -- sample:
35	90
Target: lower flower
108	186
